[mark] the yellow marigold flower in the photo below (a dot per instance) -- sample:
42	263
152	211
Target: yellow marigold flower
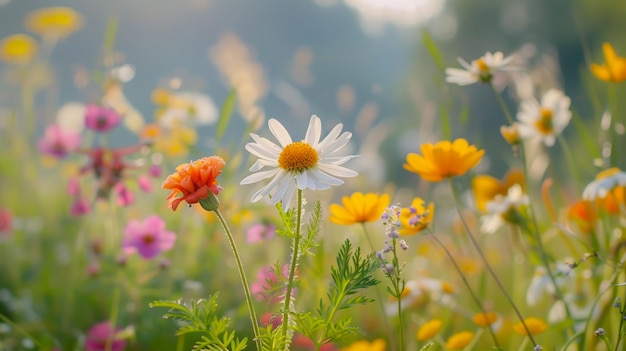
510	134
364	345
486	187
416	217
18	49
429	329
458	341
535	326
444	159
359	208
485	319
614	69
54	22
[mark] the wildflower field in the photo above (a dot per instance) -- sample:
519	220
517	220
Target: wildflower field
208	222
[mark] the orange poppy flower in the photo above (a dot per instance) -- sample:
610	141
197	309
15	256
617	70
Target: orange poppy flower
194	180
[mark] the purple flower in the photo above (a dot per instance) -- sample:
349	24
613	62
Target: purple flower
102	334
156	171
101	119
148	238
258	232
124	196
58	142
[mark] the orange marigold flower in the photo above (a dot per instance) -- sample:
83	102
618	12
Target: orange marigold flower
458	341
535	326
583	214
429	329
194	181
444	159
485	319
359	208
615	68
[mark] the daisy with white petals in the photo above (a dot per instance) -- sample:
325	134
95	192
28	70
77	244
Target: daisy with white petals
307	164
480	70
544	121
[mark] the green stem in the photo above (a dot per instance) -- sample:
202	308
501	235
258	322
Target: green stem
292	269
457	200
467	285
242	277
398	291
17	327
379	296
503	106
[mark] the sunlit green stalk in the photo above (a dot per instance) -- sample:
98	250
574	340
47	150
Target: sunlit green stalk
467	285
503	106
292	269
398	291
17	327
113	318
482	256
379	296
242	277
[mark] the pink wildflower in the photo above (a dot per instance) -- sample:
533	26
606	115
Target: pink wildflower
270	318
101	119
73	186
144	184
267	280
80	207
258	232
58	142
6	221
102	335
149	237
124	196
156	171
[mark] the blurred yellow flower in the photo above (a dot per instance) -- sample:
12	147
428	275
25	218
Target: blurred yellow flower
18	49
458	341
510	134
485	319
486	187
54	22
416	217
614	69
444	159
364	345
429	329
535	326
359	208
172	142
189	108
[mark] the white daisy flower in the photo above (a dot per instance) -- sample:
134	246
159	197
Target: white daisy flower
604	183
307	164
544	121
504	209
189	107
480	70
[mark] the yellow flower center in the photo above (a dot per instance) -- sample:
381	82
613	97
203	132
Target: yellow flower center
298	157
544	123
482	66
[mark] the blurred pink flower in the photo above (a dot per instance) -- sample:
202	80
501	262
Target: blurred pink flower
124	196
259	232
149	237
156	171
270	318
73	186
58	142
6	221
101	119
102	334
80	207
264	287
144	183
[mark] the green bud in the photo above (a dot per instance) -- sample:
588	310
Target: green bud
210	203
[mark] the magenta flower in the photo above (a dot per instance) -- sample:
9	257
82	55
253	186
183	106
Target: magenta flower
102	335
144	183
101	119
73	186
80	207
124	196
259	232
265	286
156	171
58	142
149	237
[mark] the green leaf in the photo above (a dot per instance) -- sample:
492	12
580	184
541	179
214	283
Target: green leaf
225	114
444	117
433	50
427	346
